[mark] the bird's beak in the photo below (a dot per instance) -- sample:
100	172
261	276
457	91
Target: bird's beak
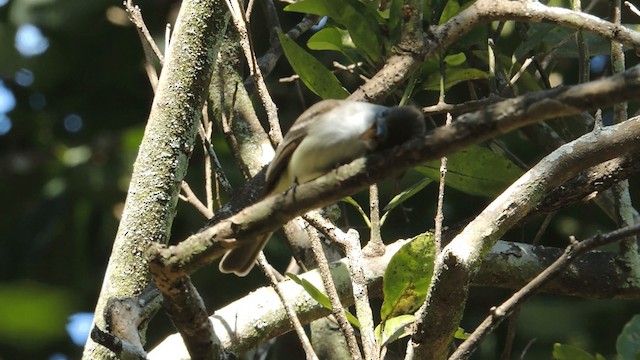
378	130
381	126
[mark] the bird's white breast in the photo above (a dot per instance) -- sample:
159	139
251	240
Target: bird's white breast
333	139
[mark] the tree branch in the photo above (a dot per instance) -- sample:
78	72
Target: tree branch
484	11
163	156
462	258
465	130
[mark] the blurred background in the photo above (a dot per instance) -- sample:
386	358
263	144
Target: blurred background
73	103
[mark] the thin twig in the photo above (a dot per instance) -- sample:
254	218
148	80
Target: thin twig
240	21
293	318
543	228
511	334
149	46
167	35
361	297
622	197
439	219
350	241
583	50
206	130
513	319
375	247
459	109
143	31
217	167
521	71
439	211
338	68
336	307
632	7
192	199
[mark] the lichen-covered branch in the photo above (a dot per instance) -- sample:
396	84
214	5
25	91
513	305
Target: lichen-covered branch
163	156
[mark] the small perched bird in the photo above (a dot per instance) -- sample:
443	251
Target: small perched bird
328	134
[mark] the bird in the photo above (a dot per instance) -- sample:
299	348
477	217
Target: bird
328	134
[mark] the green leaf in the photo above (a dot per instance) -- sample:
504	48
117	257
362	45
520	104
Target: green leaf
461	334
453	76
320	297
407	277
451	9
628	342
431	66
326	39
455	59
395	21
404	196
312	73
393	329
570	352
476	171
359	20
349	200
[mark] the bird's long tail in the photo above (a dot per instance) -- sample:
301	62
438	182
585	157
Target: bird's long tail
242	259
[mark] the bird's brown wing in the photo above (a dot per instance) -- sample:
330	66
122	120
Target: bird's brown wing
280	162
291	141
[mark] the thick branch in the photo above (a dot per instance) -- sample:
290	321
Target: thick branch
163	156
462	258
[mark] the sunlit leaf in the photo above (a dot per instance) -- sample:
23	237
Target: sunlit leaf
453	76
393	329
570	352
315	7
407	277
312	73
326	39
455	59
461	334
359	20
476	171
450	10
